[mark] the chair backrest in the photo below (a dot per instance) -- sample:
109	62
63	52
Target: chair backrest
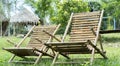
38	33
81	25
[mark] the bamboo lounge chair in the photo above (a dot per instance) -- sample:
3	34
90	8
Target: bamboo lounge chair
35	47
84	35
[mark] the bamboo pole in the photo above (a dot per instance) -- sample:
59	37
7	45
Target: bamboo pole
67	28
97	36
25	37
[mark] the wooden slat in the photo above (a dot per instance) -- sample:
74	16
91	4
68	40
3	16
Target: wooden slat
80	31
38	33
84	29
71	46
82	34
22	51
84	25
71	40
73	49
83	22
64	43
87	17
86	14
88	52
81	39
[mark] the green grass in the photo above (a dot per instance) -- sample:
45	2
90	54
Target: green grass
111	43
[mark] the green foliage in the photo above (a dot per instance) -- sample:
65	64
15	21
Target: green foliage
112	8
94	6
59	11
63	11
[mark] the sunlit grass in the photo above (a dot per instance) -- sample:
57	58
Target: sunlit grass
110	43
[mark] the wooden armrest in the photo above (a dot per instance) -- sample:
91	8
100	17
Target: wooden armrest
39	40
52	36
91	28
11	42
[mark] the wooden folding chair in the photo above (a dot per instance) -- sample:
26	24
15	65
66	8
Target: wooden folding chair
84	34
36	46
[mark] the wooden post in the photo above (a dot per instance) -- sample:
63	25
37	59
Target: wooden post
1	28
13	56
97	36
98	50
101	43
67	28
39	57
55	58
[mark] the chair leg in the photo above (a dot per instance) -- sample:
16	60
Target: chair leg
53	52
11	58
101	44
39	57
55	58
92	57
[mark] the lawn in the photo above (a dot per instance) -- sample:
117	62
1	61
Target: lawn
111	43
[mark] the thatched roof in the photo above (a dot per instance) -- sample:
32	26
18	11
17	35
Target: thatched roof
25	16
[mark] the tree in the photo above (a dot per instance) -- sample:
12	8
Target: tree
64	9
111	9
94	6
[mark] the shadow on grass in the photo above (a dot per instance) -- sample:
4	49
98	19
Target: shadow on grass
42	62
111	39
48	61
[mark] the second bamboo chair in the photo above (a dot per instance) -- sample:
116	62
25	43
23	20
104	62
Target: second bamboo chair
36	46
